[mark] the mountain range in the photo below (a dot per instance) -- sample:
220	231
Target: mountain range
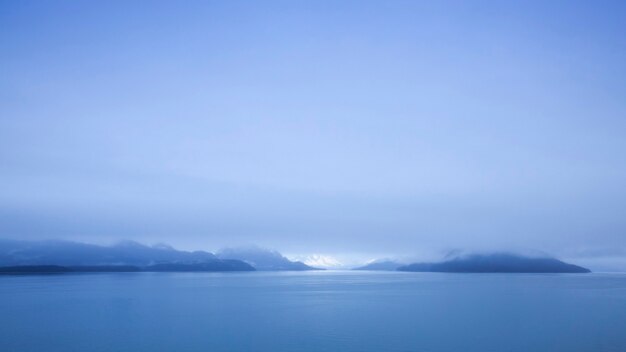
381	265
67	256
263	259
66	253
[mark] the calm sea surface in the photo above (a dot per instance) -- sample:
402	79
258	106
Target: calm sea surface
313	311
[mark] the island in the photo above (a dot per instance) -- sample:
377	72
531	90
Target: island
496	263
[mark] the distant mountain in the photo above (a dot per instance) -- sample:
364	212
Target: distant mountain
496	263
65	253
263	259
34	269
57	269
104	269
215	265
383	265
321	261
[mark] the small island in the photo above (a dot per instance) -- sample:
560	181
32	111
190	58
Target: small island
496	263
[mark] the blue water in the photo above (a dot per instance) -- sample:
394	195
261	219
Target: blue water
313	311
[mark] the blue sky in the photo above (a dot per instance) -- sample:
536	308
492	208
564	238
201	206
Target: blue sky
374	127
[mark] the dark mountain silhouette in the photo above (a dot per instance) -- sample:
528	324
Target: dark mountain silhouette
104	269
496	263
34	269
57	269
263	259
382	265
89	257
216	265
66	253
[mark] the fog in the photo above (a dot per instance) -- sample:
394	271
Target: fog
351	129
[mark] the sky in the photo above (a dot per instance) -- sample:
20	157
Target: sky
347	128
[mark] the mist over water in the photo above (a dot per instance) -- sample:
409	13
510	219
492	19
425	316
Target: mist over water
351	129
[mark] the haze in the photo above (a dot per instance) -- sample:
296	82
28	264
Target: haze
349	128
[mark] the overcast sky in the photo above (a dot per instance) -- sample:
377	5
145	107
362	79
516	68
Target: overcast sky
372	127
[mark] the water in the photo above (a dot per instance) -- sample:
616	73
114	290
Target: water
313	311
